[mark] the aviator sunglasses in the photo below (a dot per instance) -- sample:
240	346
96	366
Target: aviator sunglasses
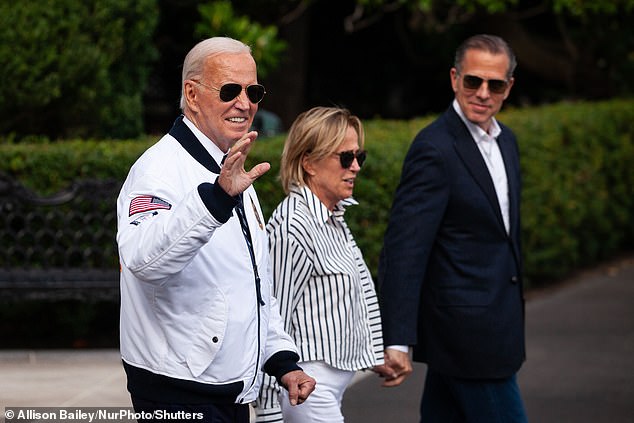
472	82
228	92
347	157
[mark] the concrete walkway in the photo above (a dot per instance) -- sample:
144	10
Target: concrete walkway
580	357
580	365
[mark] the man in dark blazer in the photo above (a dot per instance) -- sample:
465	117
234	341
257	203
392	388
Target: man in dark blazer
450	270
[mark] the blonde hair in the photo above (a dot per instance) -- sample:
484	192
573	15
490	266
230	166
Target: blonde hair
194	63
317	132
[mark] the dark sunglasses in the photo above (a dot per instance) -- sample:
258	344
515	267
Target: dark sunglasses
228	92
472	82
347	157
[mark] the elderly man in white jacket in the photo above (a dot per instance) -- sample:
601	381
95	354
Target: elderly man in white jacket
198	321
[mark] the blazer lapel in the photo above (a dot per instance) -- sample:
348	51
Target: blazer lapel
509	156
473	161
508	148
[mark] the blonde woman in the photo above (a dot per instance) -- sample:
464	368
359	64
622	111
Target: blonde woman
324	289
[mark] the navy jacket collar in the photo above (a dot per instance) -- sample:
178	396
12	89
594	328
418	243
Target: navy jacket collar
192	145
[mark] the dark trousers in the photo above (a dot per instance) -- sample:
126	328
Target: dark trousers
451	400
151	411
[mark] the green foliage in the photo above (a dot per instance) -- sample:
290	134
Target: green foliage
219	19
491	6
75	68
574	7
48	167
577	202
588	8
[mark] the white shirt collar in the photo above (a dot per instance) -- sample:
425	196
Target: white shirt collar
478	133
317	208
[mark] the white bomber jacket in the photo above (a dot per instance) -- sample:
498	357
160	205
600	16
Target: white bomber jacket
193	329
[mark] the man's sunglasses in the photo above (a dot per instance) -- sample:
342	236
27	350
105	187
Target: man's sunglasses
228	92
472	82
347	157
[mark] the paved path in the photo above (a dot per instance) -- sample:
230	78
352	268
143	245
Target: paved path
580	366
580	357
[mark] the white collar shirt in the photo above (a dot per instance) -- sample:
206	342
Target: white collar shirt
490	150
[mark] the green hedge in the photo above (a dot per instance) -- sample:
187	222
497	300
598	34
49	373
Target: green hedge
578	176
75	68
577	173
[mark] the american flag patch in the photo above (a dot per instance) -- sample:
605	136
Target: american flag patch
145	203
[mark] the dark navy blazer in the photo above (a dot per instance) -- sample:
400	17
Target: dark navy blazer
449	275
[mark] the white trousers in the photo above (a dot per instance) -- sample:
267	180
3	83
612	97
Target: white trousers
324	404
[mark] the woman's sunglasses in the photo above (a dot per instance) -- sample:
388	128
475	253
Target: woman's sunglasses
228	92
347	157
472	82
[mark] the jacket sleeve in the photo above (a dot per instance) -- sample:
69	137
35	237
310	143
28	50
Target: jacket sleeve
158	241
417	211
268	408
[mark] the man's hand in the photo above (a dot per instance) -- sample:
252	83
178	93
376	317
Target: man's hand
299	386
233	179
397	367
383	371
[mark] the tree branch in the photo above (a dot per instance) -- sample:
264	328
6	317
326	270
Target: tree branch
356	21
295	13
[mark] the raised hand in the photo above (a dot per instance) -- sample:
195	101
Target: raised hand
233	178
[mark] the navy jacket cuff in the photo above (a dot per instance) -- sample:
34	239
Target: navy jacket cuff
218	202
281	363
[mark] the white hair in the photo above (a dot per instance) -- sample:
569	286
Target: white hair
195	60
